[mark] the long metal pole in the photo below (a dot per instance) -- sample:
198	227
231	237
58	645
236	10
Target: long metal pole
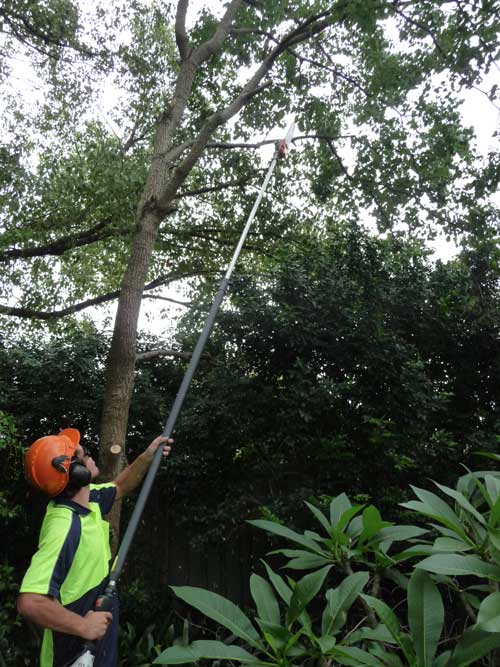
193	364
105	603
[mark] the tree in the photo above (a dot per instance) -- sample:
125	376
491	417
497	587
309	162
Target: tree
352	363
380	133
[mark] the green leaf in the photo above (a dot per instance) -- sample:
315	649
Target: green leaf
307	562
326	643
455	565
302	560
494	514
372	524
397	577
283	590
222	611
473	645
493	487
431	505
386	615
390	620
399	533
283	531
494	538
488	617
462	501
293	647
446	532
340	600
354	657
411	552
212	650
305	590
355	527
482	490
389	659
320	517
347	516
176	655
275	635
442	659
265	600
377	634
449	545
425	616
338	506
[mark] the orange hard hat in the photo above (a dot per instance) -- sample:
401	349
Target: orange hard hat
48	459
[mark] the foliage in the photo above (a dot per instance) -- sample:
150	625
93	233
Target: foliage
348	362
13	537
283	632
344	348
139	649
343	361
380	85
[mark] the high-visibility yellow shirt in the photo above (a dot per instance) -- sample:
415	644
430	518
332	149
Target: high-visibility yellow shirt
72	566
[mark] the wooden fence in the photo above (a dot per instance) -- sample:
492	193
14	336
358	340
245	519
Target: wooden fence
169	555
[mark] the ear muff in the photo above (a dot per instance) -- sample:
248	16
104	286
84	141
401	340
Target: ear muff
79	475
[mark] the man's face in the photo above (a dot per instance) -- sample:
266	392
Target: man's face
86	459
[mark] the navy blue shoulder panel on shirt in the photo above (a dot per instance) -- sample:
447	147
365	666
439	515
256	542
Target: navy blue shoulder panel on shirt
66	555
104	497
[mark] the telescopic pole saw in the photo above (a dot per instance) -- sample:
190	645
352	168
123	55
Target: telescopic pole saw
105	601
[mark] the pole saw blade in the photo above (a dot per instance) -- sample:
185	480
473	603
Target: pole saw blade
284	144
86	659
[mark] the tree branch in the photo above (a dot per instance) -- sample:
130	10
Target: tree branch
186	304
134	137
422	27
152	354
103	298
252	87
45	37
60	246
174	153
208	48
181	37
239	144
217	188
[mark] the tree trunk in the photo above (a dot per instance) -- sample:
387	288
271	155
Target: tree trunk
121	360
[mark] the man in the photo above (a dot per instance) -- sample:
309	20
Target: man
70	569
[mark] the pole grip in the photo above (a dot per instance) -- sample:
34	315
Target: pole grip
103	603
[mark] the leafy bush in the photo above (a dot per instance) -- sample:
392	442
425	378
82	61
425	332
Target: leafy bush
12	532
316	620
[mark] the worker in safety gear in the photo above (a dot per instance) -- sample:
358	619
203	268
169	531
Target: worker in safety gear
71	567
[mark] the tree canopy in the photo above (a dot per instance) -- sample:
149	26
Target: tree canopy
374	87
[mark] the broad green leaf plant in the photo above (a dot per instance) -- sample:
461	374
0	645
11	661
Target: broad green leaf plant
315	620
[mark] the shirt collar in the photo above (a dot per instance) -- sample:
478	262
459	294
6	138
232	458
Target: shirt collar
70	504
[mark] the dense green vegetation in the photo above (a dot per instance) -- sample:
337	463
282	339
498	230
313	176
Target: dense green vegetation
345	361
140	131
347	364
